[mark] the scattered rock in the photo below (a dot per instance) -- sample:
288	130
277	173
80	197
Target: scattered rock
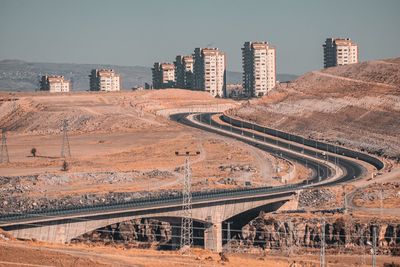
236	168
271	232
223	257
316	198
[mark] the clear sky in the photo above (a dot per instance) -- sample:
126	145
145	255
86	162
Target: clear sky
128	32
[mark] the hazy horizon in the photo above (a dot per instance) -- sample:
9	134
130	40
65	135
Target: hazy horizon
139	33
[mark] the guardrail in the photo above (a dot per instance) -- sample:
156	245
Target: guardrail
352	170
378	164
153	202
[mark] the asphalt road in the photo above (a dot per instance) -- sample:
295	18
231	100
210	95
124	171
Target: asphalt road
352	170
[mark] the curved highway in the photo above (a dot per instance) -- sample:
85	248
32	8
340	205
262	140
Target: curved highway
378	164
350	168
319	170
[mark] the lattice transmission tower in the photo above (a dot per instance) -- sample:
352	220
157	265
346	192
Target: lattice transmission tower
65	148
187	220
4	150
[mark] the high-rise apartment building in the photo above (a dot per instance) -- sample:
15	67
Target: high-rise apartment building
163	75
339	51
104	80
54	84
210	71
184	72
259	68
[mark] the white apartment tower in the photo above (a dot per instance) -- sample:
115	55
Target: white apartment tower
259	68
210	71
184	72
104	80
163	75
339	51
54	84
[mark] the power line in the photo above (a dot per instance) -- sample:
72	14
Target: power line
4	158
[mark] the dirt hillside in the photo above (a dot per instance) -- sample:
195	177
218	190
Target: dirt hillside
356	105
43	113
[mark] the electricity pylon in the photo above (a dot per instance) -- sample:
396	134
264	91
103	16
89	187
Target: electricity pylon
187	220
65	149
4	151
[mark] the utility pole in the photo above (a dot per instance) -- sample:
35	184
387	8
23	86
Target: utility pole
374	246
4	151
322	253
65	149
319	174
228	236
230	123
344	199
291	224
187	220
381	203
362	243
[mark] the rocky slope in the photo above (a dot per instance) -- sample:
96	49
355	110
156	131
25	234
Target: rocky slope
356	105
279	232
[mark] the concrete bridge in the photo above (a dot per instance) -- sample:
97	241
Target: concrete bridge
211	211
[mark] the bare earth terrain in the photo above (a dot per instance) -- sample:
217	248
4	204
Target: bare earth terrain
123	147
15	253
355	105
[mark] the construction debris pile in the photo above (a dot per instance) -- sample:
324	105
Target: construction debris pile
351	234
16	185
236	168
317	198
23	184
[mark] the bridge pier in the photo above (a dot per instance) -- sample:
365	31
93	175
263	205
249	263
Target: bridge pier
213	234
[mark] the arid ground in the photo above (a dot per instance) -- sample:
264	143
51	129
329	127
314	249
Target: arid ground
123	146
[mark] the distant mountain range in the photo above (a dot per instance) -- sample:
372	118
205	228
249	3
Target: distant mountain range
17	75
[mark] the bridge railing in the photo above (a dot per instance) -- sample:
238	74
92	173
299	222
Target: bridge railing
306	141
216	194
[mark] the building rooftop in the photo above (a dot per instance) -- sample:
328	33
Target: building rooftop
54	78
340	41
106	72
167	66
